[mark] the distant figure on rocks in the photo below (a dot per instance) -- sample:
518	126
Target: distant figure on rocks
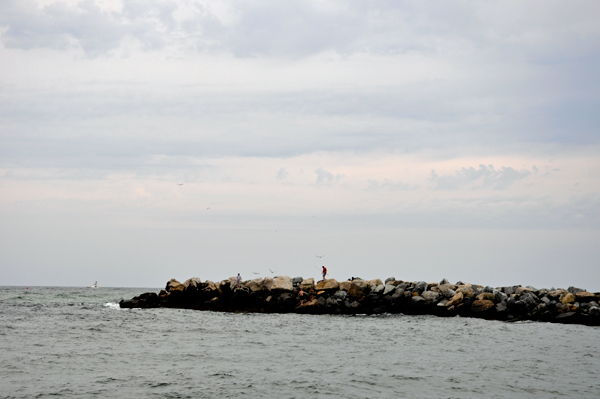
301	297
324	272
239	280
311	293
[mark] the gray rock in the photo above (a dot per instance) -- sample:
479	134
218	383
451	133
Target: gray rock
594	303
401	286
444	281
407	294
399	293
500	296
421	286
331	302
352	305
297	280
510	302
594	311
488	289
510	290
574	290
387	280
379	289
529	300
501	307
545	300
341	295
417	299
459	283
388	289
430	296
449	293
443	302
321	301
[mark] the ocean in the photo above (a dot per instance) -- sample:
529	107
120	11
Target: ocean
77	343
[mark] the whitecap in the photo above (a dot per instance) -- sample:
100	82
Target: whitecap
112	305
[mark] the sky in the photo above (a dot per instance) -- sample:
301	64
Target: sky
147	140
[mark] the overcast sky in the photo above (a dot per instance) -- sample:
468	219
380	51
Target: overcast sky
147	140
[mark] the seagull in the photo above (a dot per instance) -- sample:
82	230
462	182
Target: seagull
319	256
180	184
207	208
255	273
271	271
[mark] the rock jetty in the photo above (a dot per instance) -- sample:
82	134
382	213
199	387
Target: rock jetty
357	296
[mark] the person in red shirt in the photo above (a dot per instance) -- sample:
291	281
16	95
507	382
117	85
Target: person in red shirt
324	272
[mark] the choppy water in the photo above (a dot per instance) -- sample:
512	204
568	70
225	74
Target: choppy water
77	343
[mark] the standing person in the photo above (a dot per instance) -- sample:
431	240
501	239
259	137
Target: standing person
301	297
239	280
324	272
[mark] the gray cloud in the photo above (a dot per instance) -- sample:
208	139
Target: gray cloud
281	174
375	185
326	178
483	177
298	28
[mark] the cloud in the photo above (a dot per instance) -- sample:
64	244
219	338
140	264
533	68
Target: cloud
484	177
282	174
297	28
326	178
375	185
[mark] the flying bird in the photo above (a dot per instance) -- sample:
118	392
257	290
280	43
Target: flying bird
180	184
319	256
271	271
255	273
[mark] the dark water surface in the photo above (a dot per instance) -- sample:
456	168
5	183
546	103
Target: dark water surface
77	343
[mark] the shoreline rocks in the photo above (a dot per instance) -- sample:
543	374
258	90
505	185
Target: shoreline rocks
356	296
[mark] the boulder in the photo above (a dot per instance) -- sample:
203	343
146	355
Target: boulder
482	305
574	290
456	299
444	281
379	289
255	285
174	286
521	290
374	283
555	294
388	289
584	296
296	281
357	288
567	298
487	296
442	303
389	279
282	283
192	284
341	295
417	299
420	286
327	285
430	296
466	291
307	284
501	307
449	293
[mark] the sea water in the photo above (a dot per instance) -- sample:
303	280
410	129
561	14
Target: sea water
78	343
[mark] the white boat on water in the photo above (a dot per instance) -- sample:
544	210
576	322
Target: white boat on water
95	285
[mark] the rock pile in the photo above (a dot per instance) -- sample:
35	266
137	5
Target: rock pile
357	296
